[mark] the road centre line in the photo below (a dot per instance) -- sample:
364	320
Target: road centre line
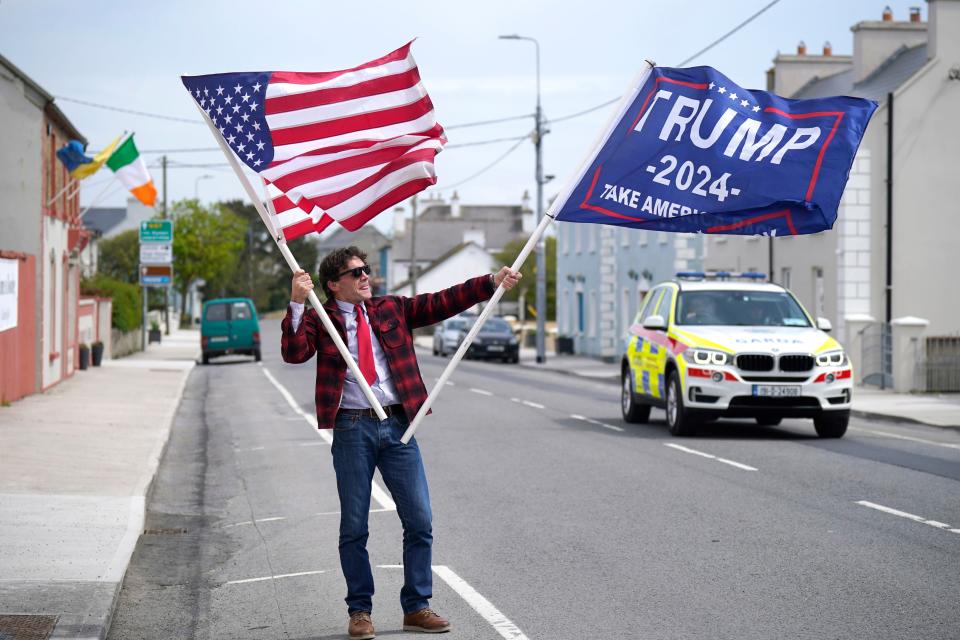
910	438
377	492
481	605
577	416
278	518
285	575
482	392
732	463
535	405
908	516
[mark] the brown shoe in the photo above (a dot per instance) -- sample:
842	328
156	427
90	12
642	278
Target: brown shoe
426	620
361	626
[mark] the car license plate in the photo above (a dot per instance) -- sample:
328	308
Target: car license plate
776	391
218	338
495	347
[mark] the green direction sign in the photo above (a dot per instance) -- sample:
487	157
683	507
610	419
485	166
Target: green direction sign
156	231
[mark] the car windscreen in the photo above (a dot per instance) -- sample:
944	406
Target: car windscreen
740	308
495	325
240	311
456	325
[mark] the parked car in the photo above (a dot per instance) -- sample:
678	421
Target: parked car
703	347
495	340
449	333
229	326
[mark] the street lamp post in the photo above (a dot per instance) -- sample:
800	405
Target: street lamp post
196	185
541	291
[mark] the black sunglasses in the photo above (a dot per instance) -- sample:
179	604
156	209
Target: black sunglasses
355	272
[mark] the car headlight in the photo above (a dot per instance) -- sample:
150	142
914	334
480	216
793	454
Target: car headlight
831	359
707	356
512	341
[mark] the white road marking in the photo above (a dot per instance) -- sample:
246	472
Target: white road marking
248	449
482	392
481	605
535	405
285	575
738	465
246	522
577	416
381	496
887	434
517	400
908	516
336	513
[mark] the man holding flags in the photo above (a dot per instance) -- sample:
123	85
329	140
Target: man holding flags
379	335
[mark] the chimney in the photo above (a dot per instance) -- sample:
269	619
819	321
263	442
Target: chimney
791	72
399	222
943	24
528	224
875	41
827	48
914	14
801	48
455	205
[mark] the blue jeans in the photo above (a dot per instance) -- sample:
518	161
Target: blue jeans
360	444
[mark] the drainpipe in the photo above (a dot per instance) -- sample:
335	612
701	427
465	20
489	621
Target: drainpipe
888	291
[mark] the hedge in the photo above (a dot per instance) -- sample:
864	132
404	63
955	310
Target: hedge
126	299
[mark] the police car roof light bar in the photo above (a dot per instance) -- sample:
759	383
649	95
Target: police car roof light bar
720	275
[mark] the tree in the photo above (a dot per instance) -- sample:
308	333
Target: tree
262	274
207	244
120	257
528	284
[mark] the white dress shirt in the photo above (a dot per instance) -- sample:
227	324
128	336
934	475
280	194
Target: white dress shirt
383	388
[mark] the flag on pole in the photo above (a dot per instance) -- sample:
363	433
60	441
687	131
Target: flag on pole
694	152
74	158
337	146
131	170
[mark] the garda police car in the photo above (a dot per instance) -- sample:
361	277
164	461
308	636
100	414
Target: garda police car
707	345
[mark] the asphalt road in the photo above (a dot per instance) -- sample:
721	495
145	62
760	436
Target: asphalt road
553	519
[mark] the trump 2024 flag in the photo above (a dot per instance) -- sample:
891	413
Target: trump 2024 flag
694	152
332	146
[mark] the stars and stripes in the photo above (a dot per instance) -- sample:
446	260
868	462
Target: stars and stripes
338	146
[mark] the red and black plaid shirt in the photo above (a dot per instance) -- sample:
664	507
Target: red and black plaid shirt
393	319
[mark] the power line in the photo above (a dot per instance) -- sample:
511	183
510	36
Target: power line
122	110
691	58
489	166
484	122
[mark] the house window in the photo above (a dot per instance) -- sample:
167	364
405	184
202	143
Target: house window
662	237
577	237
626	315
818	292
642	237
785	277
625	237
593	314
580	312
592	231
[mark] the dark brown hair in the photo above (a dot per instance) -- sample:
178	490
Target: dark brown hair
335	262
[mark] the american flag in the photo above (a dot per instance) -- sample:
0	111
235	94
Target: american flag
337	146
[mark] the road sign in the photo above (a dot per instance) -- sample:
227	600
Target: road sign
156	231
156	275
156	253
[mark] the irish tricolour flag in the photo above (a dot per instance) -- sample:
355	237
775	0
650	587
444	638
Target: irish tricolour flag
130	169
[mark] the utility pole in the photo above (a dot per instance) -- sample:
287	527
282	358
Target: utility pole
540	249
166	290
413	245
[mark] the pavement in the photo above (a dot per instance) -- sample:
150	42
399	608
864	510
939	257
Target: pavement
77	468
79	462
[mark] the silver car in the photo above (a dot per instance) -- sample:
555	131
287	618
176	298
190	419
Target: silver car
449	333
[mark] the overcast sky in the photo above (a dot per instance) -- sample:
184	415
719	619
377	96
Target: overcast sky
130	54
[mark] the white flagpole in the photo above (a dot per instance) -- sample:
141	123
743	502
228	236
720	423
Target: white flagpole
100	196
71	183
558	203
292	263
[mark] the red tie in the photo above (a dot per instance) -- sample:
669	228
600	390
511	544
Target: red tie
365	347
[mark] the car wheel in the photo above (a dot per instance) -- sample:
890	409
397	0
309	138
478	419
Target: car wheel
256	355
680	421
206	359
436	352
832	424
768	422
633	411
